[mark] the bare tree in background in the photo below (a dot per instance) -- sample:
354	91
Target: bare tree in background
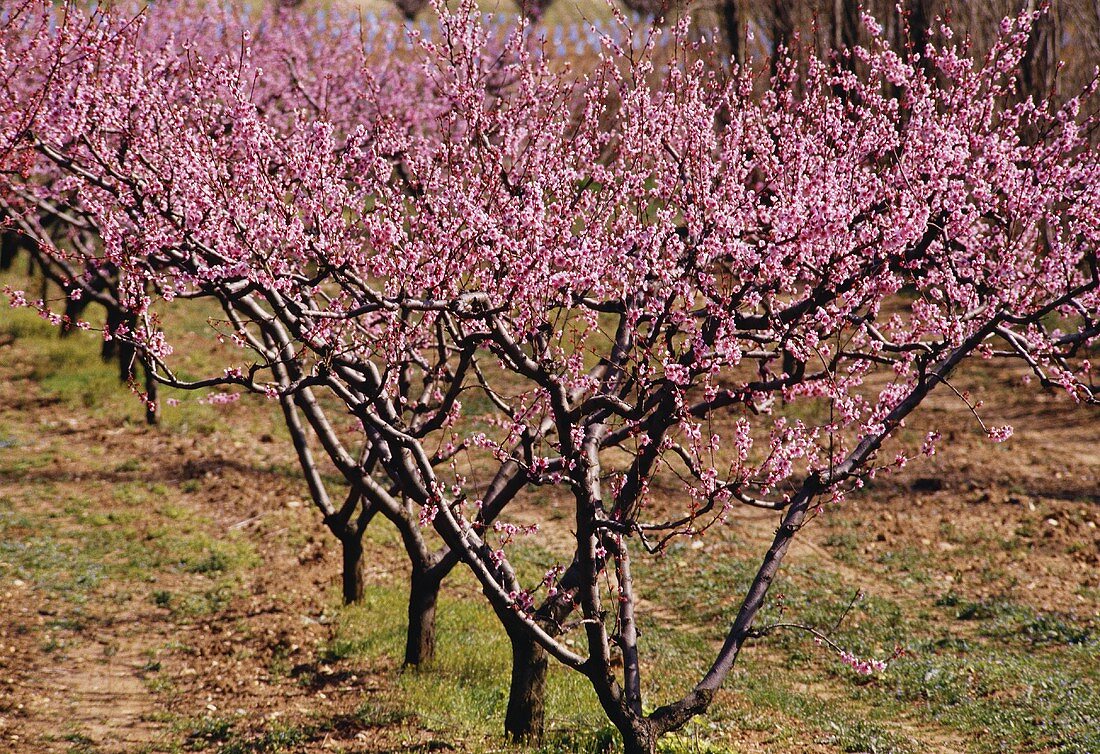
410	8
650	9
782	28
733	25
534	10
1039	68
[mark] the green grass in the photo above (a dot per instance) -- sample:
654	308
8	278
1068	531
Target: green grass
220	735
82	549
982	676
465	688
70	371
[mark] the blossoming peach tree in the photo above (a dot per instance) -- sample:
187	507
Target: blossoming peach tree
306	67
309	59
586	287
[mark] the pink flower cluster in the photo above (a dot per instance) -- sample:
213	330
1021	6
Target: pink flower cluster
862	666
221	398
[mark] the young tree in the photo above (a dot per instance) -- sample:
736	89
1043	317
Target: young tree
854	234
184	96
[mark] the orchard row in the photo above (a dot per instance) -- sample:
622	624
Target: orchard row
474	277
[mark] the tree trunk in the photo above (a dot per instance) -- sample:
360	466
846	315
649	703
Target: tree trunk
525	718
127	352
74	309
152	406
109	350
639	737
920	25
732	22
126	355
9	247
353	568
420	641
1040	63
782	30
846	23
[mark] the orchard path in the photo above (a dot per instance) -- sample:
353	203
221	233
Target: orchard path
165	586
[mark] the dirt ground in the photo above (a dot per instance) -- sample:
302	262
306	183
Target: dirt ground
109	670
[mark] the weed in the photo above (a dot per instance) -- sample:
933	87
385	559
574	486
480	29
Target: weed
277	738
130	464
79	744
208	732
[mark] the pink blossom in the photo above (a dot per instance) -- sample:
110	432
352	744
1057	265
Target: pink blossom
928	447
221	399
